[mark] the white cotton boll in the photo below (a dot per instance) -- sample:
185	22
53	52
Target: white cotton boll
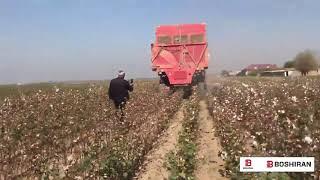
307	139
294	126
78	178
288	121
274	103
252	90
294	99
256	104
311	117
224	155
245	85
255	144
314	147
65	168
70	157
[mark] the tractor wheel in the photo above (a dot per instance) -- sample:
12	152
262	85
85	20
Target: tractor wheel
202	87
187	92
171	90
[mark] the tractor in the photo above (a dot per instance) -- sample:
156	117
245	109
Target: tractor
180	55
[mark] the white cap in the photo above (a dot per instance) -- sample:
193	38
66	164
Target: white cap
121	73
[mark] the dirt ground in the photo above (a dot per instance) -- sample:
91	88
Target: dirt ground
154	168
209	163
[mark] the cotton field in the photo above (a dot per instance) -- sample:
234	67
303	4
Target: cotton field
65	133
267	117
61	132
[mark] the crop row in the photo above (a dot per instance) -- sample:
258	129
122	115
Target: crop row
181	162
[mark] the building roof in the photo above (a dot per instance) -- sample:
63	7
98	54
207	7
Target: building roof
253	67
277	70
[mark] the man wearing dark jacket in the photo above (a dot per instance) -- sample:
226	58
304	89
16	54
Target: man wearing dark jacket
118	91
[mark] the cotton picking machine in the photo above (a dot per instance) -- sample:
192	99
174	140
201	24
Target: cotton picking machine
180	55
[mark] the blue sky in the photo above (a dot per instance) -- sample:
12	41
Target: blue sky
43	40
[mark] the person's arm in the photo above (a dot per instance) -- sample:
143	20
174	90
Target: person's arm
129	86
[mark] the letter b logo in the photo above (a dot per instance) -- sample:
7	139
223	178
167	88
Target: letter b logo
269	164
248	162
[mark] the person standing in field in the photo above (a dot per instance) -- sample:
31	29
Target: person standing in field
119	91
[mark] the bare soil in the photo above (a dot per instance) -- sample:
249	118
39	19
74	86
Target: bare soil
154	168
209	162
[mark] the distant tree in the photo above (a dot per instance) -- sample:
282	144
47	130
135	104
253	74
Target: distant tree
289	64
305	62
224	73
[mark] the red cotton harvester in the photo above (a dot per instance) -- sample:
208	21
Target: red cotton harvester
180	54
